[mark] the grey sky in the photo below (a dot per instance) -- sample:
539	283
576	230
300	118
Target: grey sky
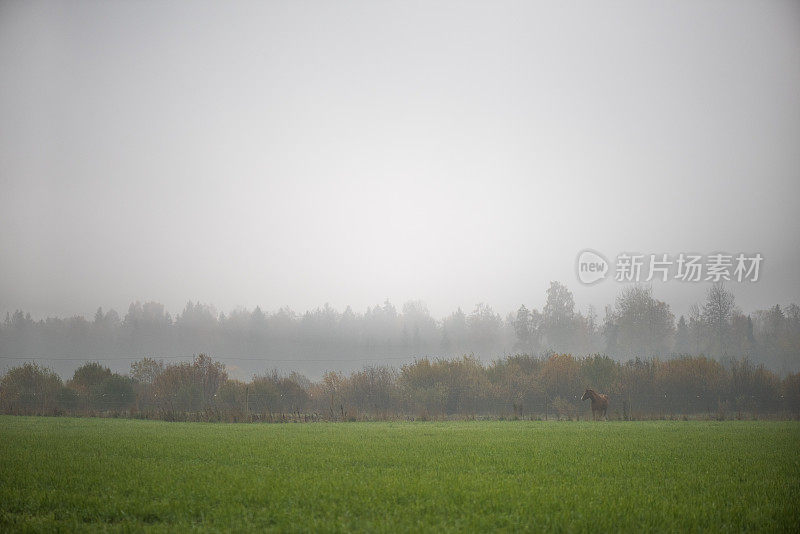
300	153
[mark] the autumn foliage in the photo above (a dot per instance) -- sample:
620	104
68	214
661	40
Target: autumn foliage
519	386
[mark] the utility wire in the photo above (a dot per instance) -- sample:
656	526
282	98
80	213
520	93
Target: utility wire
239	358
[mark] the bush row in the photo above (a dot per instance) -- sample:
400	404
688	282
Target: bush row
519	386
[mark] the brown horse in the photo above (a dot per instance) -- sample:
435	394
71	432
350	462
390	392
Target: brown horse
599	403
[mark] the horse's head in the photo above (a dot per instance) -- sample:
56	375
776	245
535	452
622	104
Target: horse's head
587	394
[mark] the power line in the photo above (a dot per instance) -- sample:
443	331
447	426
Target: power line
238	358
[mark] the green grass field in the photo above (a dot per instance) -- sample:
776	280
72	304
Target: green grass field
93	474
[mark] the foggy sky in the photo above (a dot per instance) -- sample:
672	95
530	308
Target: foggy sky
297	153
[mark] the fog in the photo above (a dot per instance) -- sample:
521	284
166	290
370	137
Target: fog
289	154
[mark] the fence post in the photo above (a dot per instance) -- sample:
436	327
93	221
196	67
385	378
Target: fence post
247	403
545	406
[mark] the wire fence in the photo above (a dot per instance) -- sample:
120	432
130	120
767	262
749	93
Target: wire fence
274	407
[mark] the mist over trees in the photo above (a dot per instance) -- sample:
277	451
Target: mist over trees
389	362
637	325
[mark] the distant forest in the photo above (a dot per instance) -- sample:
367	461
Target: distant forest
637	325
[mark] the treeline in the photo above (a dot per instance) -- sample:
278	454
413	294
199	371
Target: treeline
635	325
514	387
